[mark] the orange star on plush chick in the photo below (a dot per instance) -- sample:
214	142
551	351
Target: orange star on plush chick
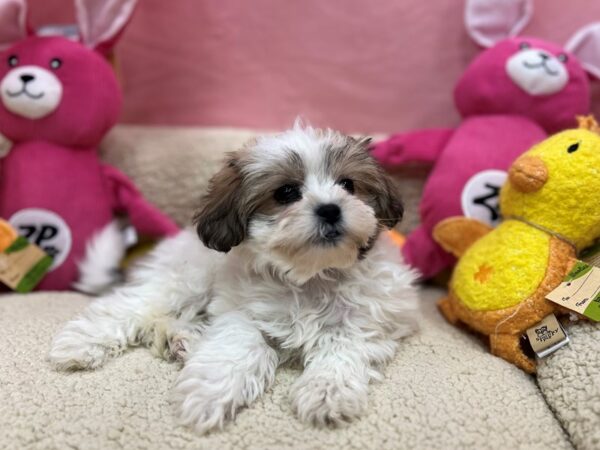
483	274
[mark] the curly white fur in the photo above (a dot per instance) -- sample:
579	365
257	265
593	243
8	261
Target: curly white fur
99	269
233	318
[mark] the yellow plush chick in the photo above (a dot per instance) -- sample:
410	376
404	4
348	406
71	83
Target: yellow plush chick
551	210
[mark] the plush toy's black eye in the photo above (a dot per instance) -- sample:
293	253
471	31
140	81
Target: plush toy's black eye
55	63
288	193
13	60
347	184
573	147
524	46
562	58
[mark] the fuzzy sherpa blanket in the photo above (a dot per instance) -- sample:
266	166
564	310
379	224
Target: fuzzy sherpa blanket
443	390
570	381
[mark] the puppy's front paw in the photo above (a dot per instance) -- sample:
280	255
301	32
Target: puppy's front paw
327	400
208	395
202	404
73	351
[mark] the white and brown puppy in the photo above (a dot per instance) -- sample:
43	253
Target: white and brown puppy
294	264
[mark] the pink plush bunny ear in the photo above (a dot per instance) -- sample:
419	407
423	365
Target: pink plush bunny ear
101	22
585	45
13	21
489	21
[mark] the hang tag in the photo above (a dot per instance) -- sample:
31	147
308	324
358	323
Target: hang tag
22	265
547	336
580	291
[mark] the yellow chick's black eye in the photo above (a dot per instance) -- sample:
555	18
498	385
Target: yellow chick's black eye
573	147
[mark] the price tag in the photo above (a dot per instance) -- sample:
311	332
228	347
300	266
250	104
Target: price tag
580	291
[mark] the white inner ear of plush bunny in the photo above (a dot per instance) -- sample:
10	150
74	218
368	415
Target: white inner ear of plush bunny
30	91
537	72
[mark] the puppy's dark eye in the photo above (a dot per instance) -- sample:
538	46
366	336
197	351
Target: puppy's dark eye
55	63
524	46
288	193
573	147
347	184
13	60
562	58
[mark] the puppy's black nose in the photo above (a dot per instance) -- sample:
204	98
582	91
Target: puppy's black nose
27	78
329	213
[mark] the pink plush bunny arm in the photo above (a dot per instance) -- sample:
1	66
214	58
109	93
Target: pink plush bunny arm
422	146
145	217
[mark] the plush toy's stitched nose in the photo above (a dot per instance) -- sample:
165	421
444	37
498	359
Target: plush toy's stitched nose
528	174
544	56
27	78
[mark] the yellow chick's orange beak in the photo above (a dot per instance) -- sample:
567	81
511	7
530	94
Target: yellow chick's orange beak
528	174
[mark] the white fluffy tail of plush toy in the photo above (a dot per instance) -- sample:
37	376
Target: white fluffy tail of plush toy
99	269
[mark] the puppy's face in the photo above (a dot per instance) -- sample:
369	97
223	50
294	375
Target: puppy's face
304	201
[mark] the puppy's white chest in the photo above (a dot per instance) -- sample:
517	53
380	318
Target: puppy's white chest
296	321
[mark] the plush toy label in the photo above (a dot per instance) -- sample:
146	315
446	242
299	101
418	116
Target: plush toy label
45	229
547	336
480	196
22	265
580	291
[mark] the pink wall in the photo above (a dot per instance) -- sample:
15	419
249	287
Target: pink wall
361	65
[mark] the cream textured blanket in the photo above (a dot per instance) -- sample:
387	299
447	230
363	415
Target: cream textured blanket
570	381
443	390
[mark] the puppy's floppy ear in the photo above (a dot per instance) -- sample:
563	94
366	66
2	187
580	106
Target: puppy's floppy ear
388	204
222	219
389	208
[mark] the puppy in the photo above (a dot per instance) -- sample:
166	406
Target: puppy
294	265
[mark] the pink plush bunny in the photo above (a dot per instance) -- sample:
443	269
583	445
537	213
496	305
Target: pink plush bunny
511	96
59	97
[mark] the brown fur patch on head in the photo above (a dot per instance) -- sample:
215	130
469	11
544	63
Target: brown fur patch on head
222	218
372	185
290	170
238	191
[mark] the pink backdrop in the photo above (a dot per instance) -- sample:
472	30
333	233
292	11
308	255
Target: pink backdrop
361	65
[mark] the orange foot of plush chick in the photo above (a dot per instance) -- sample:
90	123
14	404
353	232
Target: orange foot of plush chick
508	347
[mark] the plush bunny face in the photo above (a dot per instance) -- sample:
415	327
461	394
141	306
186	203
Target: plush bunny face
528	77
55	89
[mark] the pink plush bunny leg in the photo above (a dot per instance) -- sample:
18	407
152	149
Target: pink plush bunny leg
423	253
145	217
423	146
